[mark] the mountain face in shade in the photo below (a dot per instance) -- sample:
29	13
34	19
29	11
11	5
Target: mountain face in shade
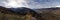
22	10
19	11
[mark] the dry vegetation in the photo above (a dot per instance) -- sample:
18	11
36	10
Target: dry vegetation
51	14
5	14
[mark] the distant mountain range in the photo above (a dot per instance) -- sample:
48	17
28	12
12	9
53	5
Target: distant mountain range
22	9
46	9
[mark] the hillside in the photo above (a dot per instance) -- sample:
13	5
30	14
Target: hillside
36	14
49	13
18	13
46	9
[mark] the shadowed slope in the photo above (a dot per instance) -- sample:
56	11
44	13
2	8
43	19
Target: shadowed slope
20	11
5	10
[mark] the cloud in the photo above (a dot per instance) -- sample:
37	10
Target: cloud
15	3
30	3
43	3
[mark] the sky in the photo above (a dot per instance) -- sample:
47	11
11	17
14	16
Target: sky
33	4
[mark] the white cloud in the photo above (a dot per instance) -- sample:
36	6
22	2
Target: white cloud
15	3
43	3
31	3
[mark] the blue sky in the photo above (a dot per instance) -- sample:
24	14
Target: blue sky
44	3
39	3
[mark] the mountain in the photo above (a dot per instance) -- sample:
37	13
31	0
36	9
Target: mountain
46	9
22	10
